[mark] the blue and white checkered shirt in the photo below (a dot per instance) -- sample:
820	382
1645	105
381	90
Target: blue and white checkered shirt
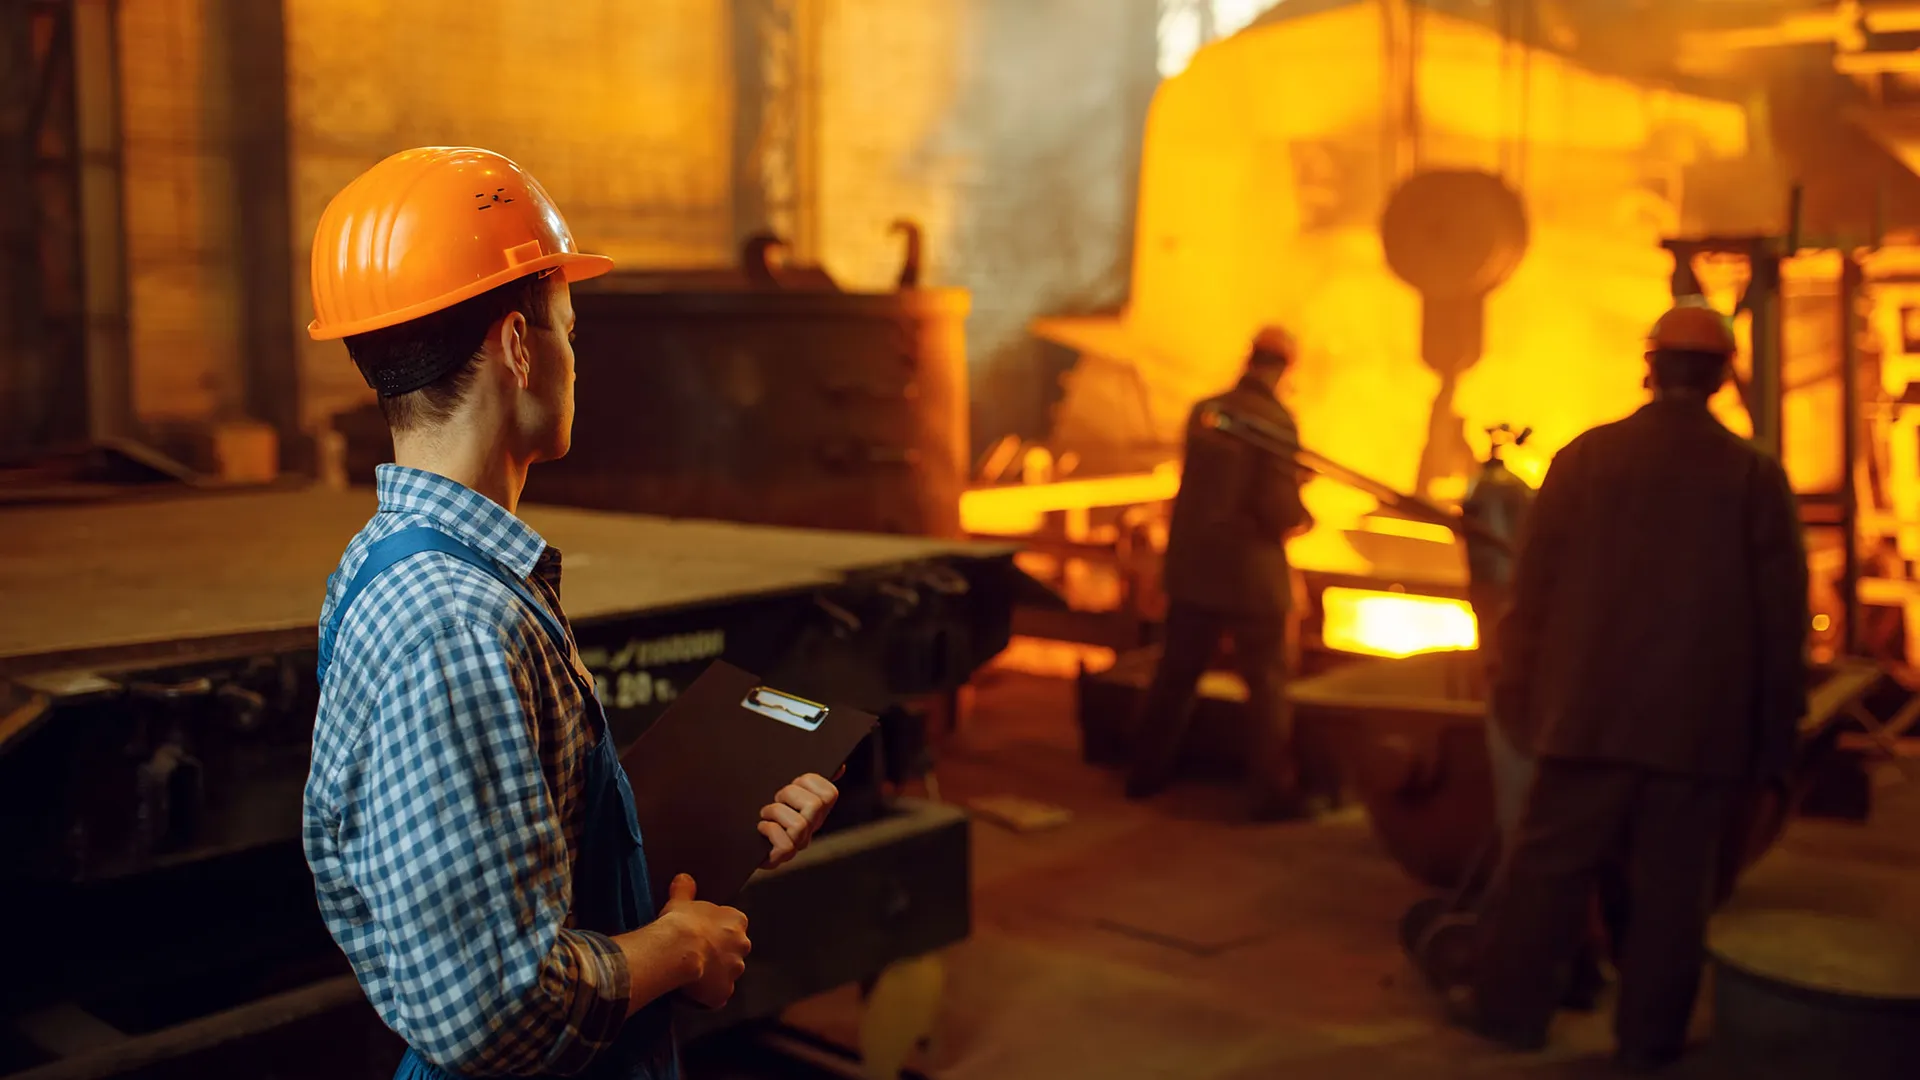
447	797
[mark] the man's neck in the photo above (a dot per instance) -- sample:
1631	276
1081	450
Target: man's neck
485	465
1681	397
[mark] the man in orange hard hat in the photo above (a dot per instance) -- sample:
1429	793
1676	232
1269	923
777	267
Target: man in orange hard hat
1653	661
1227	579
470	830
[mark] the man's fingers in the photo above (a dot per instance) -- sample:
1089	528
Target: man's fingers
681	888
779	842
820	786
810	805
793	821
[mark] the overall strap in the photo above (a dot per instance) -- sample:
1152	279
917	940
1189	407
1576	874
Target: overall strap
416	540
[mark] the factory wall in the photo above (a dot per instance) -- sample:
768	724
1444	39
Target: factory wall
1010	131
620	108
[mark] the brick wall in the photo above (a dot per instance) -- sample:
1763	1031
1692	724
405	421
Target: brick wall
1010	130
619	107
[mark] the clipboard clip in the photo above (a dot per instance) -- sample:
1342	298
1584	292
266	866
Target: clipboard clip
792	711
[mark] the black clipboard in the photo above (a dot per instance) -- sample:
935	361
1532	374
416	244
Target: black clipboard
719	753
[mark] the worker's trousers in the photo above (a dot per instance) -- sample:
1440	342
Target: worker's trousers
1666	831
1193	636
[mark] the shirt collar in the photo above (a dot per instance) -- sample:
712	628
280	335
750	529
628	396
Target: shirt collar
462	513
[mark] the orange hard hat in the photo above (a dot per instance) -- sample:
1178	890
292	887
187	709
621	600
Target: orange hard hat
1692	325
428	228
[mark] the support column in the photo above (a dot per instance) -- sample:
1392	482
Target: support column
1763	304
41	246
258	145
1852	325
109	367
19	246
775	58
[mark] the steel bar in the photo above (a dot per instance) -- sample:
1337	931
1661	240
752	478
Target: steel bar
252	1019
1850	330
1270	439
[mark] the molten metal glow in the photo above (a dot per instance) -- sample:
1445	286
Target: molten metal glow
1395	624
1263	176
1017	509
1412	530
1053	659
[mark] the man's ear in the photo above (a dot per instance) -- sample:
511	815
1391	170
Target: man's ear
510	335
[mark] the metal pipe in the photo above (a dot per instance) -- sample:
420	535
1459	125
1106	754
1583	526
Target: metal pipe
1266	437
1850	329
1763	302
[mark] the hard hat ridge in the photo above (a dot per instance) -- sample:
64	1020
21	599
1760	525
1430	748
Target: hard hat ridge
428	228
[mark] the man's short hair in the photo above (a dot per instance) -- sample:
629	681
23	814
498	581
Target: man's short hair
421	369
1686	369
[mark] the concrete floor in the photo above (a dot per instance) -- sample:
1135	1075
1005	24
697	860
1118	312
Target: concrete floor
1174	939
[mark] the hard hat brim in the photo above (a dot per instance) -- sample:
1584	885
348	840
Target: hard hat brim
573	266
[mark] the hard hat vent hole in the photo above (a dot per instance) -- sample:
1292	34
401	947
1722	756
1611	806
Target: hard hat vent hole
487	201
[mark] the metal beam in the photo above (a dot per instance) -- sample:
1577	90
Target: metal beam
98	161
1851	327
19	244
63	365
259	148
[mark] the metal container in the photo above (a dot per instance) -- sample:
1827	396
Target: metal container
772	400
1799	993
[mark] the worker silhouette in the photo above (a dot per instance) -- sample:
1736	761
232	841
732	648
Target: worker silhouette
1653	664
1497	501
1227	579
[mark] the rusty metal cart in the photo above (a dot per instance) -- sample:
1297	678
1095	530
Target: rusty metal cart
156	708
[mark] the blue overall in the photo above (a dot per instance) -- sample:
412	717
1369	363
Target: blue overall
610	891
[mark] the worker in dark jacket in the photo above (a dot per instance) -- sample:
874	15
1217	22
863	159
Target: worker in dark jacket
1227	578
1653	660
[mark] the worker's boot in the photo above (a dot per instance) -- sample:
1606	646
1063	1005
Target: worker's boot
1286	801
1585	984
1464	1011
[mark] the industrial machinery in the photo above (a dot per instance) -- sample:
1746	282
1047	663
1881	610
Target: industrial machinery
763	394
157	663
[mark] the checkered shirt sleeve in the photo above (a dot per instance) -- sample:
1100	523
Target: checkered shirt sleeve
457	914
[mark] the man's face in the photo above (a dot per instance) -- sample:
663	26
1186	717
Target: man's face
546	415
1268	371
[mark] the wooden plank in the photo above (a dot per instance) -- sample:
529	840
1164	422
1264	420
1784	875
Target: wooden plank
102	577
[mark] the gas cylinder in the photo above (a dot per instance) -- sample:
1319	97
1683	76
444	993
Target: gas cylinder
1497	500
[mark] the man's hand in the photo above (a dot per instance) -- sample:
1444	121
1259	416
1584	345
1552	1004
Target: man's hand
794	815
718	936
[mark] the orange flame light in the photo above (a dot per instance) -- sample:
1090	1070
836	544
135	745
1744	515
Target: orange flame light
1263	175
1395	624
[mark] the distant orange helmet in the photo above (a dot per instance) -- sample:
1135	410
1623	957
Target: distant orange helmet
1692	325
428	228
